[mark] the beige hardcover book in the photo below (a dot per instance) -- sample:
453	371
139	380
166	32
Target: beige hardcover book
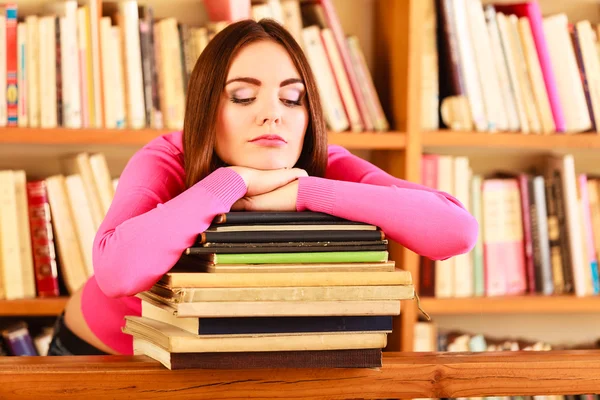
591	64
513	66
170	70
94	45
26	265
331	102
201	35
531	111
80	164
388	266
176	340
535	76
221	309
85	70
82	218
429	70
444	269
102	180
155	312
47	46
291	293
128	21
292	19
463	266
566	71
284	279
341	78
71	260
10	251
33	65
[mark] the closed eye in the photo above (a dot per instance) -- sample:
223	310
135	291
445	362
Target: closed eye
291	103
244	102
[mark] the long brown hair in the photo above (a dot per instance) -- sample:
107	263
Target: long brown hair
206	86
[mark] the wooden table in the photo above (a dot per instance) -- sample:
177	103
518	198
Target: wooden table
404	375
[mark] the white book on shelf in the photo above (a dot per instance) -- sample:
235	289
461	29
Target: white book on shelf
11	260
488	75
512	65
591	63
70	68
469	66
22	68
566	71
502	69
463	266
96	67
331	102
27	270
118	85
536	77
33	74
531	110
82	218
47	77
102	180
444	269
132	58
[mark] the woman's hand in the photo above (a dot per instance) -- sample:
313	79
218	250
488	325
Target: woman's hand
281	199
259	182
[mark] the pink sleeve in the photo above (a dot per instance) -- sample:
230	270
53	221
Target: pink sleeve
429	222
151	221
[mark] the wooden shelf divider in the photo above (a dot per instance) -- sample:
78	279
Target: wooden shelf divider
519	141
32	307
139	137
511	305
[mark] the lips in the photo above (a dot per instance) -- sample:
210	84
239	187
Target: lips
274	138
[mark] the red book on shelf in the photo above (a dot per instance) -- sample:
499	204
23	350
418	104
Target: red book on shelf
42	240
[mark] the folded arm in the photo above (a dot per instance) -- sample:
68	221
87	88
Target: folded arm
152	219
427	221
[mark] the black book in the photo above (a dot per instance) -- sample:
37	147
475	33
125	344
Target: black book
273	217
287	247
291	236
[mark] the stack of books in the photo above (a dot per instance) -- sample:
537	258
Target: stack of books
276	290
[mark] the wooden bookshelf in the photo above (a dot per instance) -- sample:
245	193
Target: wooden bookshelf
402	375
511	305
32	307
139	137
516	141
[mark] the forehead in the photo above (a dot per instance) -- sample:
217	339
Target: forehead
264	60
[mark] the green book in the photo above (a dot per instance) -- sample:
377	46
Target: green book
297	258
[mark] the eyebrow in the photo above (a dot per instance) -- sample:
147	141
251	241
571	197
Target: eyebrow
256	82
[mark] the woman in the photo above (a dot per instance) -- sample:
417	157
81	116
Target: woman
254	138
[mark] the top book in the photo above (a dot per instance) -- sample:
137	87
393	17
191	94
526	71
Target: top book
273	217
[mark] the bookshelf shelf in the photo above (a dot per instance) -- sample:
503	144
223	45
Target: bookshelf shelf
473	140
511	305
131	137
32	307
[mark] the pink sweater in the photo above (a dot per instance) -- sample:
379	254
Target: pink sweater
153	218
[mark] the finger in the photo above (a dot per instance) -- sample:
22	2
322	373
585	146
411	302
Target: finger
268	181
239	205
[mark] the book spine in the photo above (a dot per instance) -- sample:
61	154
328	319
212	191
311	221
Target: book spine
12	92
42	240
59	76
146	49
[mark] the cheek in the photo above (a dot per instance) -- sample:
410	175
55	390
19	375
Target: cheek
298	121
227	126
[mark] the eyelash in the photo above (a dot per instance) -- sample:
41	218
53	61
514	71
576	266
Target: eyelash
245	102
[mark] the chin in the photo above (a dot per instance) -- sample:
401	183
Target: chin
266	163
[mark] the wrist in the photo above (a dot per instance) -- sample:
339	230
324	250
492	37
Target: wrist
225	184
315	194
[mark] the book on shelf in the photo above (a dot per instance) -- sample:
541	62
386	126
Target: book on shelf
540	231
509	68
316	313
124	67
47	227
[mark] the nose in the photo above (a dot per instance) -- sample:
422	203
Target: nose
270	114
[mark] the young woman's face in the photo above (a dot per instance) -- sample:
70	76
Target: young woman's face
262	114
